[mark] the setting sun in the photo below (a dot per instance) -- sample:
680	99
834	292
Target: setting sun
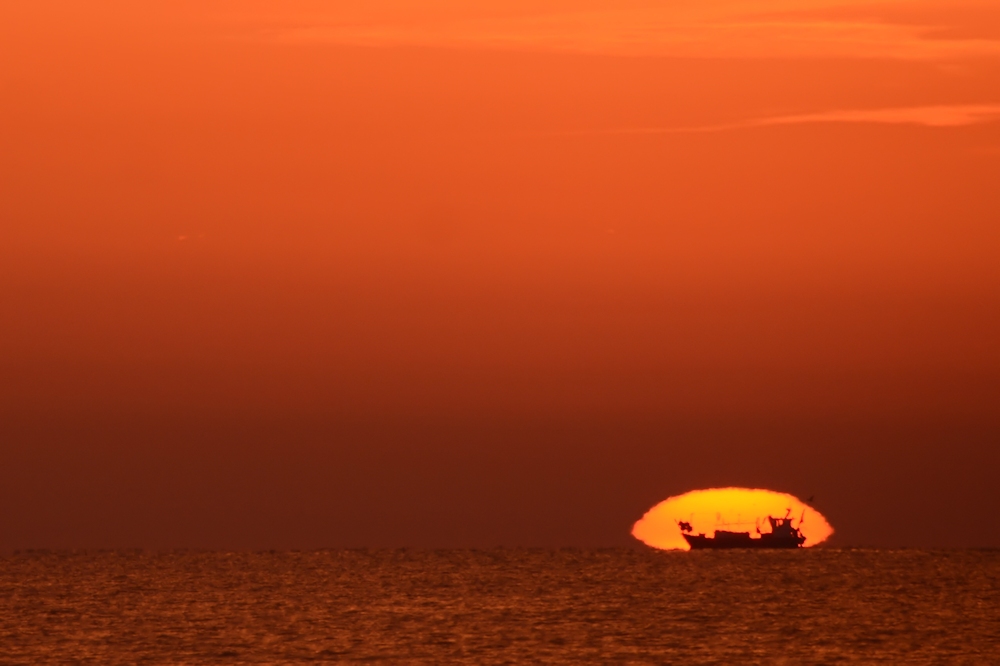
726	509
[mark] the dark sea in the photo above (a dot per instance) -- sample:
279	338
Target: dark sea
817	606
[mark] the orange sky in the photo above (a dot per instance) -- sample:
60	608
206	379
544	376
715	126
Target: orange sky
480	273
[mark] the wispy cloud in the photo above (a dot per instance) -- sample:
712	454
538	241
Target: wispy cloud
765	28
928	116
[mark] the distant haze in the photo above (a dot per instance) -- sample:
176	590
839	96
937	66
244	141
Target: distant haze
299	274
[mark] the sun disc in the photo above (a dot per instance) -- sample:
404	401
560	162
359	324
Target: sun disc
733	509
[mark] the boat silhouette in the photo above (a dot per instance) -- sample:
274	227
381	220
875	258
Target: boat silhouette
782	535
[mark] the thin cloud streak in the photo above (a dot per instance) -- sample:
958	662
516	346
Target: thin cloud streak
929	116
747	40
729	31
926	116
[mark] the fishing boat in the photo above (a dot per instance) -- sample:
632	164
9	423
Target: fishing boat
782	535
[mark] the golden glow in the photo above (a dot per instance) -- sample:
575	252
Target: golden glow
734	509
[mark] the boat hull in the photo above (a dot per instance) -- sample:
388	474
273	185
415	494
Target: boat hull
702	542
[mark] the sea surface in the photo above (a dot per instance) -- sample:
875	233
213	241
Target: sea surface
501	606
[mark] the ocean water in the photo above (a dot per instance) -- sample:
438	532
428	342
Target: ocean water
501	606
